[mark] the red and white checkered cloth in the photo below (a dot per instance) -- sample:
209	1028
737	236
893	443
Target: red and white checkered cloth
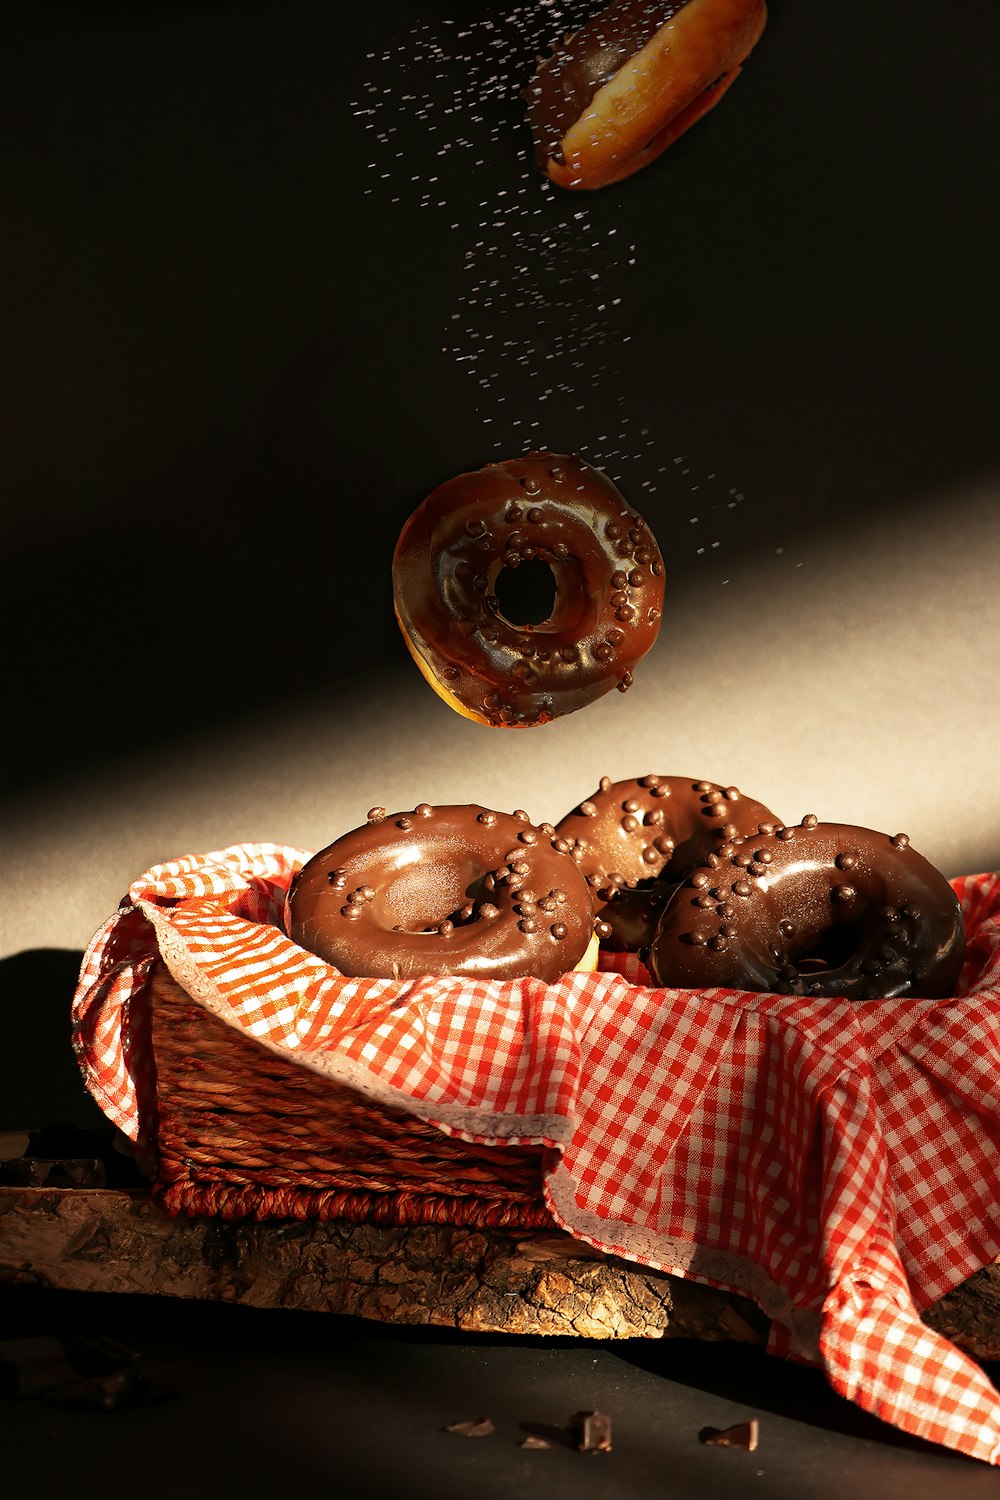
837	1163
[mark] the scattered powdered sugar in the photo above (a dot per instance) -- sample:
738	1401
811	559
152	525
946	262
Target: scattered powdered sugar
540	324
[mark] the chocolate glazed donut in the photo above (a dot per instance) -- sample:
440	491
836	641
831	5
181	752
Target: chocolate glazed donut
635	840
819	909
444	890
616	93
606	570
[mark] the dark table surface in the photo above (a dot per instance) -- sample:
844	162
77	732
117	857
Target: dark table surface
273	271
270	1402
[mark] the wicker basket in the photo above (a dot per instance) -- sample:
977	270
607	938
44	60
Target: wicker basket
243	1133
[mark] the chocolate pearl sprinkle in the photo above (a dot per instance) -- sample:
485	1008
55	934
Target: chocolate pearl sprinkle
661	790
718	943
785	834
487	819
535	515
562	845
629	823
605	783
700	880
603	930
521	815
450	672
588	809
763	856
528	924
650	855
699	938
513	513
337	877
528	836
889	914
466	911
521	867
352	913
631	806
742	888
446	928
845	860
558	930
786	928
619	579
705	901
488	911
725	909
376	814
843	893
649	781
404	823
423	809
530	484
899	840
809	821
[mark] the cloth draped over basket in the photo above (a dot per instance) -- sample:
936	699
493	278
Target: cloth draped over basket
835	1162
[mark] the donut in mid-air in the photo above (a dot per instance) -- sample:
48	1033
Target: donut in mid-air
444	890
464	546
817	909
635	840
616	93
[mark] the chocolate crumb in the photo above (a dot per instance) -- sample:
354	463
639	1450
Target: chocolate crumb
480	1428
743	1435
593	1431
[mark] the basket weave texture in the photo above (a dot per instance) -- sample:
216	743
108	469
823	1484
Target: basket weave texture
244	1133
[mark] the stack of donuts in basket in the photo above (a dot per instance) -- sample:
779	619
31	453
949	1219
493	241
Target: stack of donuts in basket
705	885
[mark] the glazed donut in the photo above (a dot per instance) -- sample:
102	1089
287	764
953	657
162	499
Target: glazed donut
818	909
616	93
635	840
455	553
444	890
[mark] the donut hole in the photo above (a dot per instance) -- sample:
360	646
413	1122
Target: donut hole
527	594
835	947
420	897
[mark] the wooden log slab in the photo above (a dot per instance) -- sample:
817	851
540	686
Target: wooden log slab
495	1281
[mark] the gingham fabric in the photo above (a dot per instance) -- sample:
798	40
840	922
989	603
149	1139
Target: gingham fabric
837	1163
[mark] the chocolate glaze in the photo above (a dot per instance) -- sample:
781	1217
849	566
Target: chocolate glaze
443	890
635	840
608	576
565	83
818	909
